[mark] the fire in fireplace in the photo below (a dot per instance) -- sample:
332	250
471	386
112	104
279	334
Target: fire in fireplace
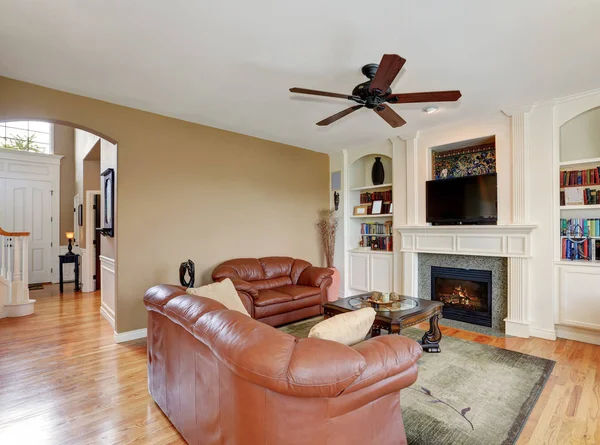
466	294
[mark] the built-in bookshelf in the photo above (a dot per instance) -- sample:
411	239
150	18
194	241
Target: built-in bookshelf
579	207
371	206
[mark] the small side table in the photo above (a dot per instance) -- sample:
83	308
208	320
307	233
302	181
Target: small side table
66	259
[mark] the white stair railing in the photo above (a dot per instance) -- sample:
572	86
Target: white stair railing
14	279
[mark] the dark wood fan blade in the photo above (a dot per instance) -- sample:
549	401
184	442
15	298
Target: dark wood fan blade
319	93
389	67
431	96
389	115
339	115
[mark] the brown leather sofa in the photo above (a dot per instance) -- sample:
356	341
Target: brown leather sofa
224	378
277	290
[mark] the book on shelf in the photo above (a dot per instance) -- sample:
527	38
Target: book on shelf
376	228
368	197
569	178
379	243
587	249
579	196
580	227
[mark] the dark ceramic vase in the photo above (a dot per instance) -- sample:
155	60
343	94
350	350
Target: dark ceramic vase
377	173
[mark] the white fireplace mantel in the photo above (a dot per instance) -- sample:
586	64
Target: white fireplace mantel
511	241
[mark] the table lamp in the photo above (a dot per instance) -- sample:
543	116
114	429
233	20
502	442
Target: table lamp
70	237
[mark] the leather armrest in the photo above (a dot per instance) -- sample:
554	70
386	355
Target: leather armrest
314	276
247	301
277	361
386	356
157	297
244	286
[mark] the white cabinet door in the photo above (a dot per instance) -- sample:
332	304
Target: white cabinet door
381	271
359	271
579	294
27	208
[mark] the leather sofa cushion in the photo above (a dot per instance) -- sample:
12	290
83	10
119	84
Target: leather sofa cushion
224	292
272	283
247	269
286	306
298	292
268	297
349	328
276	266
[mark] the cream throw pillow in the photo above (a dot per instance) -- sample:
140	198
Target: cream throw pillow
349	328
224	292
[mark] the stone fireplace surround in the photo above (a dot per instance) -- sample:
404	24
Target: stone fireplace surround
497	265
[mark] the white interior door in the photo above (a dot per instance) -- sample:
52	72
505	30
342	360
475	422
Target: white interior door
28	208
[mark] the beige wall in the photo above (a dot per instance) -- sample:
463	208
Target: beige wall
189	191
64	145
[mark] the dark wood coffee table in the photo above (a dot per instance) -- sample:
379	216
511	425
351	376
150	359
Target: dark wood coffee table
395	321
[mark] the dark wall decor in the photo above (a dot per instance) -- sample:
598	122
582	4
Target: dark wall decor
470	161
80	215
108	193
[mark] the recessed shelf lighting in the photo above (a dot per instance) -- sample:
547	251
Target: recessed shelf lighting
430	109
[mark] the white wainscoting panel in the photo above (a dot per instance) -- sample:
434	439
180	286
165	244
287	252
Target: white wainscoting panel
108	289
579	297
435	243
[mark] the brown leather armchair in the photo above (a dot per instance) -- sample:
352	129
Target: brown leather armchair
224	378
277	290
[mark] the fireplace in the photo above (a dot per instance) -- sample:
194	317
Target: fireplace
466	294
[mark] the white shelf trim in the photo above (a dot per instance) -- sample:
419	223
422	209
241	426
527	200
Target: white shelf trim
580	161
371	252
384	215
580	207
371	187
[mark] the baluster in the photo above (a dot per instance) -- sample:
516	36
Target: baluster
9	265
3	268
26	268
9	257
17	259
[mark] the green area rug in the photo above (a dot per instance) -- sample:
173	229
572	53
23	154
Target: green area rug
469	394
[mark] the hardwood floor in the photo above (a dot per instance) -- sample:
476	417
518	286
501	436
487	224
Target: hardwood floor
64	381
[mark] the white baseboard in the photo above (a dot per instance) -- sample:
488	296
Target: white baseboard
108	314
578	334
547	334
130	335
517	328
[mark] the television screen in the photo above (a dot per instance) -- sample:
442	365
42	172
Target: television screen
466	200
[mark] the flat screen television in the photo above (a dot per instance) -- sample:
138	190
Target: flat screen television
466	200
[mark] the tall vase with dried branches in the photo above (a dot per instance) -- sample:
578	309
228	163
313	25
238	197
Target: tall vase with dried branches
327	226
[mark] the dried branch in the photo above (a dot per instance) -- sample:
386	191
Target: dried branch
327	226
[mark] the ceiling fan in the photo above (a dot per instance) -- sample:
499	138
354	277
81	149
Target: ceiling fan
375	92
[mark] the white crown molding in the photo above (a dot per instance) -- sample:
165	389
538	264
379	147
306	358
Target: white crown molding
122	337
41	158
578	96
409	136
511	111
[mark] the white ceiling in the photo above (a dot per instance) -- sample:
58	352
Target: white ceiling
229	64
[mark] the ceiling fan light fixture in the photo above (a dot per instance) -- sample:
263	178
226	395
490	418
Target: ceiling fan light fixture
430	109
